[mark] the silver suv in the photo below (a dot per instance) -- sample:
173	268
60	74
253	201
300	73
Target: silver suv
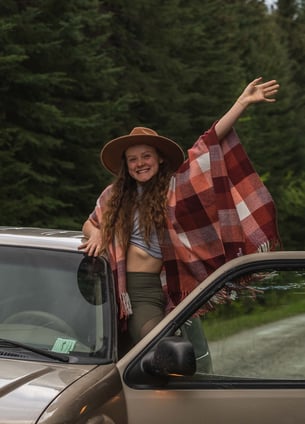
232	351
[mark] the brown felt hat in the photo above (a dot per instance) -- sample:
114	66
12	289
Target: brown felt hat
112	152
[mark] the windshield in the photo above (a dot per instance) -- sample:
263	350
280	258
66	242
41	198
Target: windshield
57	301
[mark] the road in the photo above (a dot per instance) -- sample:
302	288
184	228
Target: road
275	350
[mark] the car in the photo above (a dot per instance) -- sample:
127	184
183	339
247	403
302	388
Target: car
232	351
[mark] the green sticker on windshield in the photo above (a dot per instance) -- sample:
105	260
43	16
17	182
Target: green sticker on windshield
63	345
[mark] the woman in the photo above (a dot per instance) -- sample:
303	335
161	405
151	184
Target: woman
183	217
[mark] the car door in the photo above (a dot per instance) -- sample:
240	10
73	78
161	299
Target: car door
246	327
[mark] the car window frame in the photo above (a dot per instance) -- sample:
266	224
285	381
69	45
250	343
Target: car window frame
135	378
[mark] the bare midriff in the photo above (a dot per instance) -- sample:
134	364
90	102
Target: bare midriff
140	261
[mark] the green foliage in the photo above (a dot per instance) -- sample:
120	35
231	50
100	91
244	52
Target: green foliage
279	294
57	85
75	74
291	211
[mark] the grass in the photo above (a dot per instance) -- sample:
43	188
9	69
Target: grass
220	327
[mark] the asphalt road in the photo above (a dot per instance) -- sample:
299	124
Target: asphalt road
275	350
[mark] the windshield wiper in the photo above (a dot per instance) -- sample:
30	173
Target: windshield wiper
52	355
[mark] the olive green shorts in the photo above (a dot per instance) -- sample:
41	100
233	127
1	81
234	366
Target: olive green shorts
148	303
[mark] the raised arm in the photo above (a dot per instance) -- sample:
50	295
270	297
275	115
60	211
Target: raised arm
256	91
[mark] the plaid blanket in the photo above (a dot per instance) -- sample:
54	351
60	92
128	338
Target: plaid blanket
218	208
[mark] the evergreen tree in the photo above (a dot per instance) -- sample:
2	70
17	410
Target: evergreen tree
290	17
181	63
144	44
57	84
209	50
75	74
263	55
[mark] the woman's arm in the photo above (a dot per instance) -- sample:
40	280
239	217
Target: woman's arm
255	92
92	226
94	240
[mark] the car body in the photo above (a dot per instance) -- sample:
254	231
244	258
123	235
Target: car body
231	351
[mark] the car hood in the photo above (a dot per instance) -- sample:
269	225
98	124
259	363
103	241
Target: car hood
27	388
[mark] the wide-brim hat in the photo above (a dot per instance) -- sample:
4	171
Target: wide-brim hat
113	151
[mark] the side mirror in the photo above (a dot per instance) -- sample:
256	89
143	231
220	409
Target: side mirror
92	274
172	356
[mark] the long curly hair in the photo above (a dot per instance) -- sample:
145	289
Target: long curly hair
125	200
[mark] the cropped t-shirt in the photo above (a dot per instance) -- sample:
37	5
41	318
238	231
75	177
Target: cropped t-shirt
137	239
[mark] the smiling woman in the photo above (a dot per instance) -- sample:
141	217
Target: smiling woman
143	162
183	217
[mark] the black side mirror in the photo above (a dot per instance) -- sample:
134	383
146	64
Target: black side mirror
91	278
172	356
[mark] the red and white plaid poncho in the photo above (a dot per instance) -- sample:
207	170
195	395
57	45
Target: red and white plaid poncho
218	208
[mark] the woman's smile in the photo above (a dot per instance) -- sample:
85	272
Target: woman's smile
143	162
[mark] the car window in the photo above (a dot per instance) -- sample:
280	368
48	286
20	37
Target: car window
257	332
58	301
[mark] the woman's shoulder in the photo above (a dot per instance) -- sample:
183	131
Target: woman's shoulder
105	194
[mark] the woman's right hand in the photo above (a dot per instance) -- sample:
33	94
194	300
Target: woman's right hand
93	245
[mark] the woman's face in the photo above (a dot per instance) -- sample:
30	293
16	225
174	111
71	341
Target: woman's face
142	162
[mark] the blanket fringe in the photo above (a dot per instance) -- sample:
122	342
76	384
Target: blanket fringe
125	301
264	247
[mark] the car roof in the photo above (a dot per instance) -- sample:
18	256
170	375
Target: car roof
40	237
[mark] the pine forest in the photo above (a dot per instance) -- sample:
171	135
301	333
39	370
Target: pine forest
76	73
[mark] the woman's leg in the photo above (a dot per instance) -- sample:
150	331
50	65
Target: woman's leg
148	303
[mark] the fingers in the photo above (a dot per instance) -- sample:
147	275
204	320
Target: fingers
269	84
82	246
91	249
256	81
270	91
272	100
269	88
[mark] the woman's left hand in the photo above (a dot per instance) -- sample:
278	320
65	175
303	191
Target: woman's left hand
258	91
